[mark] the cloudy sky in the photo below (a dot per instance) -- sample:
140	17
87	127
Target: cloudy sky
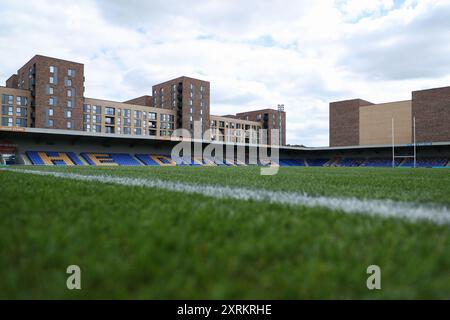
255	53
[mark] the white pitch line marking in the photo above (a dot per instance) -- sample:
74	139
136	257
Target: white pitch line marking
384	208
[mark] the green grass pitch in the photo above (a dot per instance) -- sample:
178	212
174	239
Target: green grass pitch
144	243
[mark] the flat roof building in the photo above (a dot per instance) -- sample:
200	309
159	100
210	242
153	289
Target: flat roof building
359	123
49	93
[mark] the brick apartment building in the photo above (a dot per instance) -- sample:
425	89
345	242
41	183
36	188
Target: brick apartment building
49	93
359	122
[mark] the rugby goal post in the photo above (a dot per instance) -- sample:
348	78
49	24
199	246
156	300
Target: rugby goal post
414	155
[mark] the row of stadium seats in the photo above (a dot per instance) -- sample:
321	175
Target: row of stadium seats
113	159
50	158
409	162
426	162
125	159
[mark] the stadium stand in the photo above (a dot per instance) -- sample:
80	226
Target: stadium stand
316	162
109	159
380	163
156	160
348	162
292	162
52	158
426	162
124	159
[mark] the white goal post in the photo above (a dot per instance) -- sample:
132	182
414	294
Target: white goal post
414	155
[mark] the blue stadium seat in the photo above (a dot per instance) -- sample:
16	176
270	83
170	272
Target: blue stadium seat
121	159
36	159
317	162
425	162
349	162
147	160
380	163
292	162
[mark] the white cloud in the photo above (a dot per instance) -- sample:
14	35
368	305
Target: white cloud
255	53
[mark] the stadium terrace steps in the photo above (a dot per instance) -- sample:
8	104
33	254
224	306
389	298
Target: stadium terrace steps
49	158
316	162
125	159
426	162
292	163
107	159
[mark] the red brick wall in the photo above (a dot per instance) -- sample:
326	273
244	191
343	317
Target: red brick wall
12	81
184	94
272	114
432	111
41	97
142	101
344	122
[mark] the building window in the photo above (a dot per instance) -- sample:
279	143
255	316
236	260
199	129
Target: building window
51	69
69	124
50	112
109	120
51	101
97	119
137	123
152	115
87	108
69	92
109	111
71	73
68	114
50	123
97	109
7	122
7	110
21	101
51	80
69	104
50	90
69	82
7	99
21	122
21	112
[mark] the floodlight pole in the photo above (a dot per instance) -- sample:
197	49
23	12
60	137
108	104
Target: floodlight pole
393	145
280	122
